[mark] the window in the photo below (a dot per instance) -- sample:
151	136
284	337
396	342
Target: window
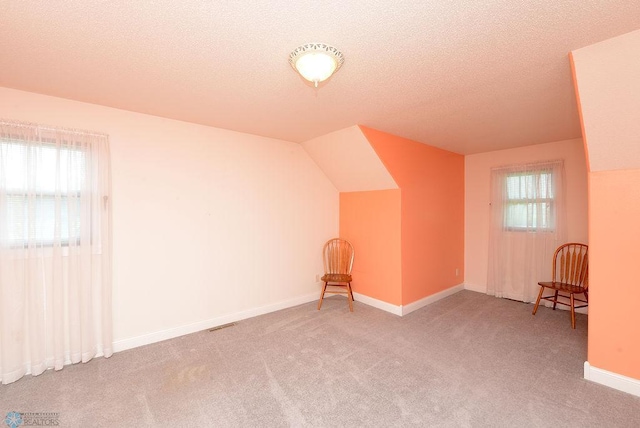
37	194
55	247
529	203
528	221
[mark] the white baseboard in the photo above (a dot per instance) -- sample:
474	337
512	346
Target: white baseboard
379	304
146	339
158	336
407	309
477	288
612	380
547	304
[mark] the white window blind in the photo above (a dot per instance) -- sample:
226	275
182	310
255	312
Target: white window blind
529	200
42	183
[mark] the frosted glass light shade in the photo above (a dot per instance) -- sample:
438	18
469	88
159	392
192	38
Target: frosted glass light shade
316	62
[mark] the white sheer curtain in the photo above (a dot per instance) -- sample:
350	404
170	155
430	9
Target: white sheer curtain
55	248
528	222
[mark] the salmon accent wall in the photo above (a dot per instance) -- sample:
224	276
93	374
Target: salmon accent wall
607	80
431	181
371	222
478	192
614	290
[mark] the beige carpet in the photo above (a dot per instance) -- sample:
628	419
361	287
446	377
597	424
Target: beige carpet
466	361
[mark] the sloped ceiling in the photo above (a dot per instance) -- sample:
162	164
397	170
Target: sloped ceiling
607	104
349	160
468	76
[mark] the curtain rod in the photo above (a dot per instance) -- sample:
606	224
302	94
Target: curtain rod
527	165
52	128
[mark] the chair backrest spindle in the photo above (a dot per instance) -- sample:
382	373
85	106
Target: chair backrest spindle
571	265
338	256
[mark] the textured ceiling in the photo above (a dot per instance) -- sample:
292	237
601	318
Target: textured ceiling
466	75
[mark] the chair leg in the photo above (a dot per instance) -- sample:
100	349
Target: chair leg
351	292
586	296
350	297
535	308
555	300
324	287
573	313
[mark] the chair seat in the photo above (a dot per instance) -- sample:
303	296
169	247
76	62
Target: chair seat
336	277
561	286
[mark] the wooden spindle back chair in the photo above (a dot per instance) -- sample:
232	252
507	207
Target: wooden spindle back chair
337	255
570	275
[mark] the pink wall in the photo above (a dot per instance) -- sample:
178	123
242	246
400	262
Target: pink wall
432	212
209	225
607	80
371	222
477	196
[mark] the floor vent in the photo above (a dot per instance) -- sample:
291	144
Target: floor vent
220	327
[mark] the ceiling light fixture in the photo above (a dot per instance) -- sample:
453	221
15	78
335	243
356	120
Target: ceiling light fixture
316	62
